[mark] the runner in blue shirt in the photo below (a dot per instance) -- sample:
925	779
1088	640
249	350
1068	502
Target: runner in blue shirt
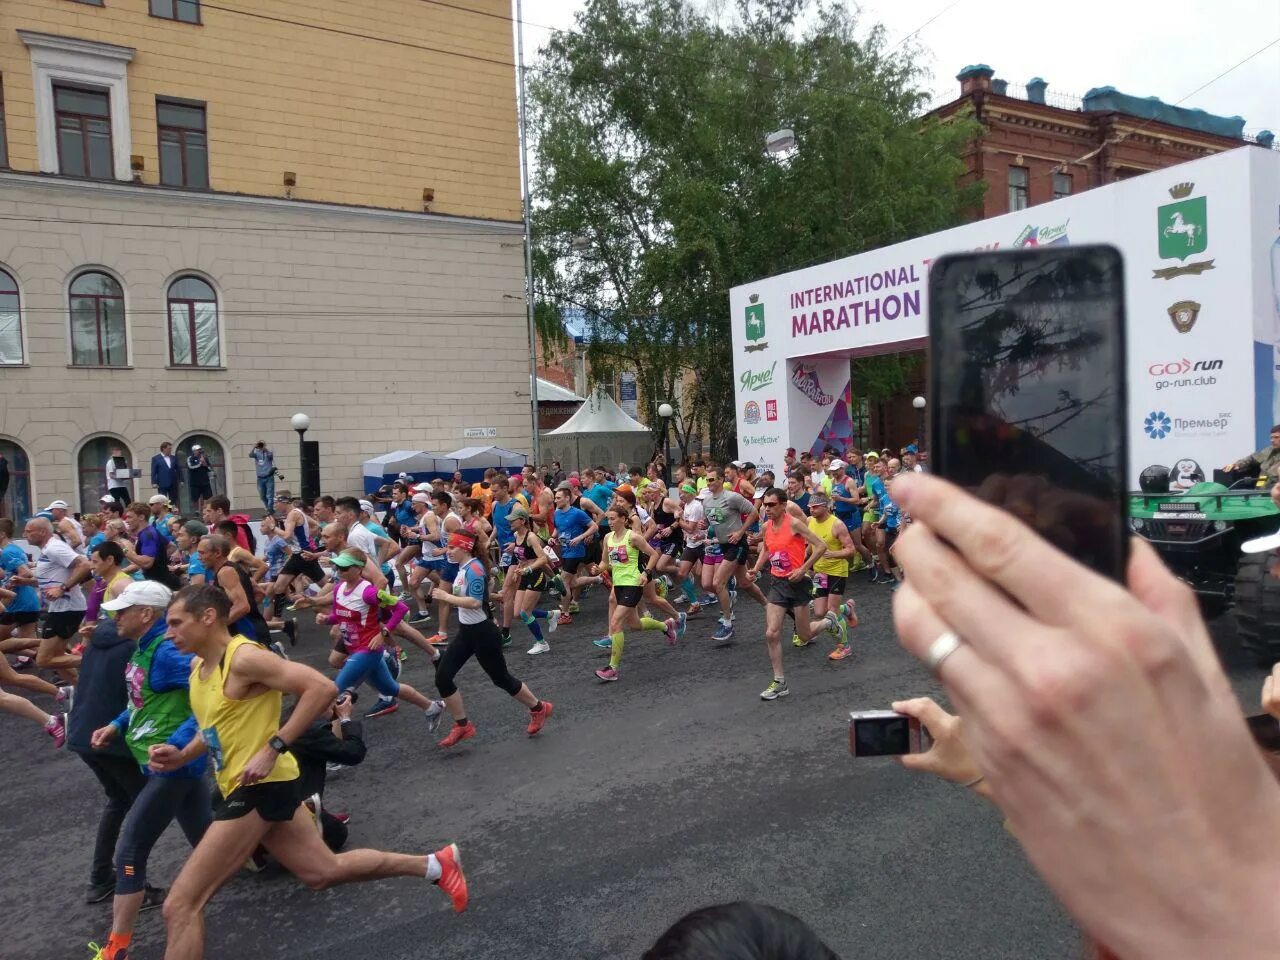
503	503
601	491
574	528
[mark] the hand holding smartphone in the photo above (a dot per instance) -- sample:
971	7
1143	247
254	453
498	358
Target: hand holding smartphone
884	733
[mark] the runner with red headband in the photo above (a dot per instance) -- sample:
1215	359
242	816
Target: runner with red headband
477	637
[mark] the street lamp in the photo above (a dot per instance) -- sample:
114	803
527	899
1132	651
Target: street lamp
780	142
666	412
301	422
920	403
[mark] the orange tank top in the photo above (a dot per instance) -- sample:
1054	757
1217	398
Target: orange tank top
785	547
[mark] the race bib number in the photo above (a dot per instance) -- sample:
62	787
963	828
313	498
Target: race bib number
214	745
619	554
133	678
780	563
820	581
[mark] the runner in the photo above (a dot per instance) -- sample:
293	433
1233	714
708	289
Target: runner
304	561
499	514
785	538
574	529
59	573
658	529
477	637
21	611
66	526
889	523
246	618
236	693
187	539
847	506
441	522
532	572
694	537
158	713
727	515
871	515
149	552
623	547
829	577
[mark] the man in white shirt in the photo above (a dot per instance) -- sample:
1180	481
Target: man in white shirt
59	573
67	526
119	478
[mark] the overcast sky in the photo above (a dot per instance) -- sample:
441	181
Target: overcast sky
1161	48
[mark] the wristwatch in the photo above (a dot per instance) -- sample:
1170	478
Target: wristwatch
276	744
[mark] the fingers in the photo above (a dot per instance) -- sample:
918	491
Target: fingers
998	547
924	709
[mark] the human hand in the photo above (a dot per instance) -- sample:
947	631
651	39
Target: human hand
321	619
948	756
796	575
1105	728
378	642
437	593
1271	692
163	758
259	766
103	736
53	593
737	537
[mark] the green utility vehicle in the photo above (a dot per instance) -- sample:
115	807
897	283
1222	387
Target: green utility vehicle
1199	533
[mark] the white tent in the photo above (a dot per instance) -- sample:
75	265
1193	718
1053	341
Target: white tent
419	464
473	461
600	433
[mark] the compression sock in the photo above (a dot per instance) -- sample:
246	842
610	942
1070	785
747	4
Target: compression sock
648	623
615	659
433	867
689	590
541	614
532	624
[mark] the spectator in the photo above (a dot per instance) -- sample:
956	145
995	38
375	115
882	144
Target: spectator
165	475
199	476
264	467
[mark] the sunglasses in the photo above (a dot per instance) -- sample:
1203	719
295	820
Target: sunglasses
772	503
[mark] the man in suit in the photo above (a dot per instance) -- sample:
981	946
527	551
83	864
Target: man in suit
165	475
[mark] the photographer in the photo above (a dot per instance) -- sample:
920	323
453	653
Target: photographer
1103	728
199	477
335	737
264	465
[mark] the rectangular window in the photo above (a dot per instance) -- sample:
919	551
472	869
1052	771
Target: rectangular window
1019	180
1061	185
4	139
92	3
184	144
83	119
188	11
97	332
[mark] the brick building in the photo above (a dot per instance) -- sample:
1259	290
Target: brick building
216	218
1037	145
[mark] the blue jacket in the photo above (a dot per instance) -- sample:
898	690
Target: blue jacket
165	476
101	693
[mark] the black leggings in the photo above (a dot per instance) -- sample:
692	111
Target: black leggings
482	641
162	799
122	780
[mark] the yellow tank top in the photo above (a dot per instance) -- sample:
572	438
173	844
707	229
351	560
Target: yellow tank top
234	730
824	529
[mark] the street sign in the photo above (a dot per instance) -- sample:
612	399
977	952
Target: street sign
480	433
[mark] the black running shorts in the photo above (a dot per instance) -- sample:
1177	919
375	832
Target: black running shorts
275	802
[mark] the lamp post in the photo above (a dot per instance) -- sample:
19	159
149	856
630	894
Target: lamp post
780	142
301	422
666	411
920	403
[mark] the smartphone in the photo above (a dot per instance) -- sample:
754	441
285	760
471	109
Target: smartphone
1028	398
884	733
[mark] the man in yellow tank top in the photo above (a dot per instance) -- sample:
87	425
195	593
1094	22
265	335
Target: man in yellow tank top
830	575
236	691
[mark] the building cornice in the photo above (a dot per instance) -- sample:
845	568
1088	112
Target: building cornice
36	40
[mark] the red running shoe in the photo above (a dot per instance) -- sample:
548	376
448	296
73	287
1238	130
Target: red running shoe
460	732
536	720
452	880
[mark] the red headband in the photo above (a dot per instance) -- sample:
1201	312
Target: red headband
463	541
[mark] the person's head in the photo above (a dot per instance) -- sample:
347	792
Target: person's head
774	503
461	546
795	484
699	468
166	448
112	510
836	468
323	508
469	507
636	475
398	492
197	450
518	518
349	564
196	615
105	559
226	528
654	494
715	479
268	526
457	478
58	509
140	606
687	493
441	501
346	510
1275	435
213	550
136	516
625	498
501	488
6	529
420	503
619	517
894	467
819	505
189	534
38	531
117	452
910	459
158	504
739	931
766	479
334	536
90	523
173	525
114	529
853	457
564	496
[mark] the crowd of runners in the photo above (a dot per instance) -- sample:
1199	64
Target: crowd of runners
166	640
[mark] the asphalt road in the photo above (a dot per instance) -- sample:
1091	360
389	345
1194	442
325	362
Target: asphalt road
641	800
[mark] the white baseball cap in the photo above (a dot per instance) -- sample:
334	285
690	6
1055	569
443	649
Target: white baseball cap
196	446
403	476
421	498
366	506
422	488
60	505
141	593
158	498
106	498
836	465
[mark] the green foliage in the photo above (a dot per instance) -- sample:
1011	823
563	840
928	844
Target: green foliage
654	195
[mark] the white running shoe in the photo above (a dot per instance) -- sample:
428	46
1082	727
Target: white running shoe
552	623
540	647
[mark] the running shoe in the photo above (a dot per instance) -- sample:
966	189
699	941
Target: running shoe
670	629
342	817
563	619
682	624
392	661
708	600
607	674
724	633
24	663
403	597
98	892
841	652
434	714
66	695
536	720
506	638
57	728
679	598
437	638
849	611
382	707
841	632
404	657
798	641
552	623
695	609
733	593
107	953
421	618
540	647
574	607
452	880
276	647
291	631
833	623
604	643
557	585
460	732
875	575
662	588
775	689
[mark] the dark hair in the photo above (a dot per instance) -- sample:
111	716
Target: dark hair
1276	428
326	501
776	492
443	496
110	550
739	931
6	527
206	596
347	503
227	527
474	504
219	501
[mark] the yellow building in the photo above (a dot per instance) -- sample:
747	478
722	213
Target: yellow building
215	215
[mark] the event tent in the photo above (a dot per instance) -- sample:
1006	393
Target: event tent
419	464
474	461
600	433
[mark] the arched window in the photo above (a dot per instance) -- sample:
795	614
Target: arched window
10	321
193	324
211	481
97	321
92	472
15	484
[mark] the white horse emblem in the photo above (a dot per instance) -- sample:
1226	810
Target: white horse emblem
1178	225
